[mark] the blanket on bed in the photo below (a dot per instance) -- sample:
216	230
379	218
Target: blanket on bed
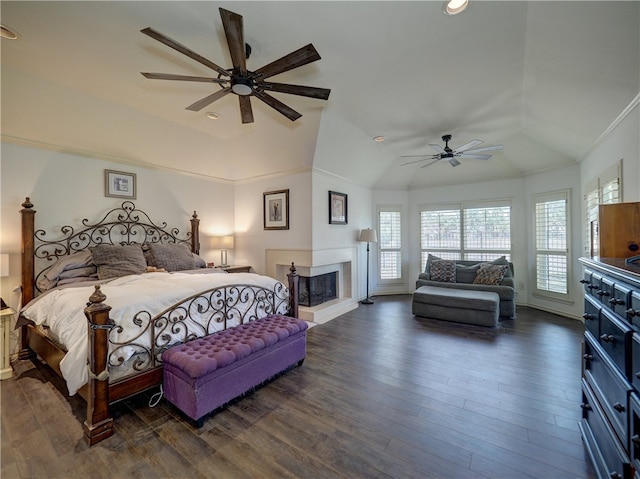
62	310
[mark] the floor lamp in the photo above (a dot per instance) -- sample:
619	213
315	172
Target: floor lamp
368	236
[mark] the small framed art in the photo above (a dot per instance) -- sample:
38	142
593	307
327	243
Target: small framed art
276	210
119	184
337	208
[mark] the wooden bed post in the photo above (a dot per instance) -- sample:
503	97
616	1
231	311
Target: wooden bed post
28	270
195	235
99	424
294	280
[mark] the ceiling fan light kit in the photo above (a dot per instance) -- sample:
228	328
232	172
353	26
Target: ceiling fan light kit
451	155
239	80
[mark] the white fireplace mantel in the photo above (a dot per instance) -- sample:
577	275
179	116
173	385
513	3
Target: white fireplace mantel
314	262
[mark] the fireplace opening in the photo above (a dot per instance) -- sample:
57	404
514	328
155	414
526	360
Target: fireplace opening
315	290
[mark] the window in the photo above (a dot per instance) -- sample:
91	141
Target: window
390	244
479	232
605	189
552	240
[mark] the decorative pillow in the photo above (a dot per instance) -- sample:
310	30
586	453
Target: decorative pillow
490	274
443	270
171	256
199	261
114	261
430	259
466	274
502	260
66	267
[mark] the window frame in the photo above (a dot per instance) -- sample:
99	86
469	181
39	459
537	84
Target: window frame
390	281
462	253
549	197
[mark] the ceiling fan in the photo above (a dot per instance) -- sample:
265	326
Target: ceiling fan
452	155
244	83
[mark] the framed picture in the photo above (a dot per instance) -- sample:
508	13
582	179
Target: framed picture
337	208
119	184
276	210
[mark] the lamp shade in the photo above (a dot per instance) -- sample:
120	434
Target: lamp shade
222	242
4	264
368	235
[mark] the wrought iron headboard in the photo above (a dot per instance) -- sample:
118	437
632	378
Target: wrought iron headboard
120	226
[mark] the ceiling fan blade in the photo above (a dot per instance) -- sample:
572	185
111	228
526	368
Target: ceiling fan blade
184	50
200	104
454	162
438	148
431	163
171	76
245	109
279	106
310	91
233	29
466	146
415	161
474	157
486	148
302	56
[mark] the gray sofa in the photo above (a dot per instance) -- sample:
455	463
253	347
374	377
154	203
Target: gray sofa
464	277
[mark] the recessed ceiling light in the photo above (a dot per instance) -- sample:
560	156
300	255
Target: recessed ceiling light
378	138
6	32
453	7
212	115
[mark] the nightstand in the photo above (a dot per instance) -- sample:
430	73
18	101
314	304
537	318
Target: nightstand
235	268
6	317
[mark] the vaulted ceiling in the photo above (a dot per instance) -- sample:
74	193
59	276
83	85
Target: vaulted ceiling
545	79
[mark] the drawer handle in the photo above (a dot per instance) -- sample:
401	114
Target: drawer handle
602	293
608	338
614	301
638	374
632	312
585	406
619	407
635	439
589	357
584	281
587	316
590	286
615	475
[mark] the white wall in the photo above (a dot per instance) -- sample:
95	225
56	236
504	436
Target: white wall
622	142
567	178
359	216
252	240
66	189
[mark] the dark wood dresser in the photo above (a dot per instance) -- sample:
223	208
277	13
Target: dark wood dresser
611	367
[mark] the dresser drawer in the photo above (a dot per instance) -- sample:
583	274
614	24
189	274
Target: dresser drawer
596	285
615	339
633	312
586	280
635	361
619	300
607	455
634	431
609	386
591	315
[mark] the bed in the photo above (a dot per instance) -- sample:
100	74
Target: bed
103	300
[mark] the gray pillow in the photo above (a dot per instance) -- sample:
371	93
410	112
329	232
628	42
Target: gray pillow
114	261
171	256
466	274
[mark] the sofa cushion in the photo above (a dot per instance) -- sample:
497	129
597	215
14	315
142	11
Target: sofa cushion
443	271
466	274
490	274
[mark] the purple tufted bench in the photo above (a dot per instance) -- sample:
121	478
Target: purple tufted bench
206	373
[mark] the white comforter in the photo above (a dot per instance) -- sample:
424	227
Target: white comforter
62	309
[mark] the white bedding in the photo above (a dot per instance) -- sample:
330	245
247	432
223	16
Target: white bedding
61	309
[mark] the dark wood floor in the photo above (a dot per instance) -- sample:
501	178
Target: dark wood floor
381	394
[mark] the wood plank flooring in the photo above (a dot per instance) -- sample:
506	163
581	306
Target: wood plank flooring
381	394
